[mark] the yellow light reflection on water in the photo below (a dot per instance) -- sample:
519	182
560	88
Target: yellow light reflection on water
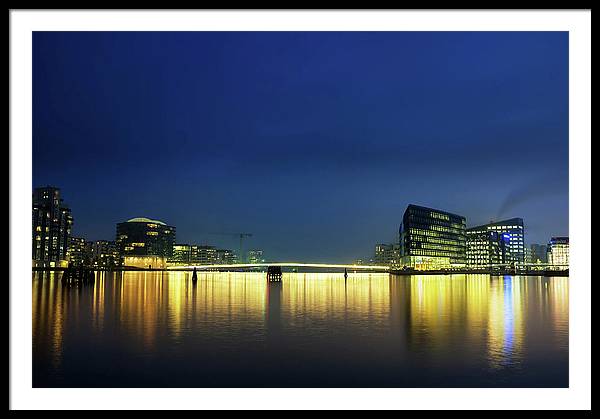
316	297
474	312
483	317
48	316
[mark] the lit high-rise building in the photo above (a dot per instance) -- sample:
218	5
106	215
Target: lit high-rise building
52	223
78	255
145	243
432	239
485	247
514	232
558	251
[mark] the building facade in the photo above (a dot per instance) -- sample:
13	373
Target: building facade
225	257
528	255
194	254
513	232
204	254
387	254
105	255
145	243
432	239
558	251
486	248
52	224
78	252
181	255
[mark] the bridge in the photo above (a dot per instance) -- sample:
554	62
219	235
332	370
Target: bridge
506	269
292	265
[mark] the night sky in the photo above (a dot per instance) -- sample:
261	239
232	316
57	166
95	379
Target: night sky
315	142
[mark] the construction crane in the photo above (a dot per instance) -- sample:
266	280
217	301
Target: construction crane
241	236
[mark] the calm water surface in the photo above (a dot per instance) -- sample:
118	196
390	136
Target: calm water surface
153	329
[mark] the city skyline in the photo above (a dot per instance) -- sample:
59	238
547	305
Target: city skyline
302	138
436	236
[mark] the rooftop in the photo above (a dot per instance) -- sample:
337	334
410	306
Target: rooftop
144	220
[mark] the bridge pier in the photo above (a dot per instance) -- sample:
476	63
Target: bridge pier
274	274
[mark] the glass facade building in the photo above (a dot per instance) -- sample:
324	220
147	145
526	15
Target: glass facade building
193	254
181	254
486	247
558	251
52	223
513	232
432	239
145	243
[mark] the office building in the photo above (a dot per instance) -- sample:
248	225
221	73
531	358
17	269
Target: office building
513	232
558	251
432	239
52	223
486	247
145	243
181	255
387	254
225	257
194	254
204	254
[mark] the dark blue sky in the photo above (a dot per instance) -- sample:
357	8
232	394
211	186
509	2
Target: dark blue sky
313	141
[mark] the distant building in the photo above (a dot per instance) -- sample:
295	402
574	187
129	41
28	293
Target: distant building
558	251
105	255
204	254
52	223
513	231
486	247
144	243
255	256
528	256
539	253
78	252
225	257
181	255
387	254
432	239
194	254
